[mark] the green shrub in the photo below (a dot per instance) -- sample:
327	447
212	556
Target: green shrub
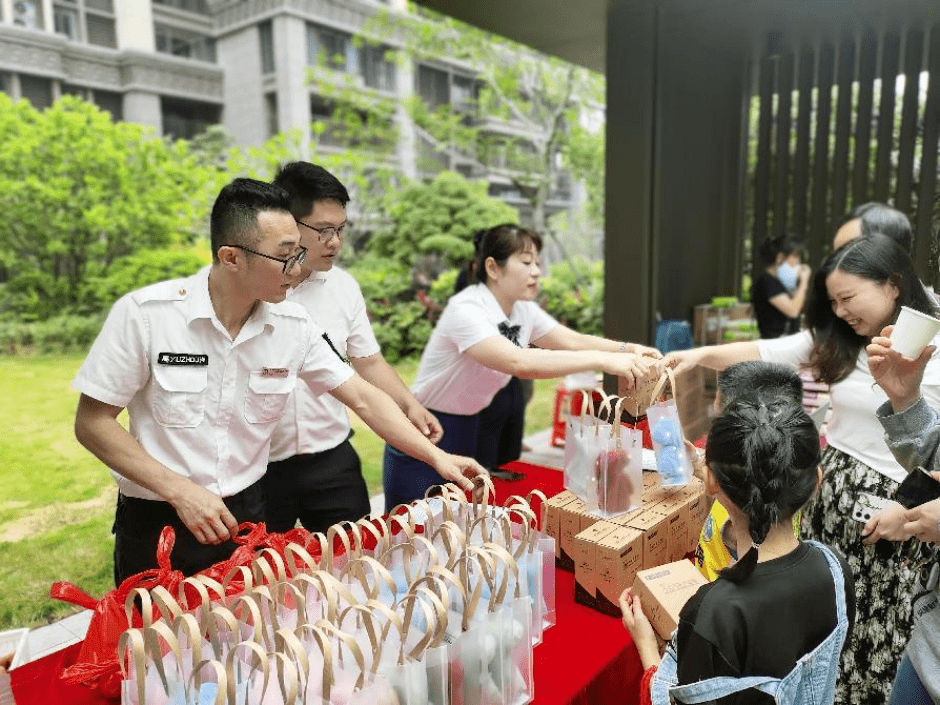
138	270
399	320
60	334
575	295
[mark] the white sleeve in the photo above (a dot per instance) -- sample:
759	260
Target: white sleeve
361	341
791	350
466	323
322	369
118	364
542	322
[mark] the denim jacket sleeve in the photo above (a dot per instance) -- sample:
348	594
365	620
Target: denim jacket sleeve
913	435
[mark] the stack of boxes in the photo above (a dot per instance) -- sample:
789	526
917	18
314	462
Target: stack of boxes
606	554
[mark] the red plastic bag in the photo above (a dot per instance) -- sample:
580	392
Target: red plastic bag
97	663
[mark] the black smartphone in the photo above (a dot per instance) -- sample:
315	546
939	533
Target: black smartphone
918	487
507	475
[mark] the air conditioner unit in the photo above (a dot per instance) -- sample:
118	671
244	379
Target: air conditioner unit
24	13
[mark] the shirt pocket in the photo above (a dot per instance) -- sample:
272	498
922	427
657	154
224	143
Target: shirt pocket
267	397
179	395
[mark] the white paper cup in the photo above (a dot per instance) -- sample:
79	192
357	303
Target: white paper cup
913	332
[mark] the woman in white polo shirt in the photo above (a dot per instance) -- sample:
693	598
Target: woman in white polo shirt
482	339
857	291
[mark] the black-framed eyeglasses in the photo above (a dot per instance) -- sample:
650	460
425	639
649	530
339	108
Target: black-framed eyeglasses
296	258
326	234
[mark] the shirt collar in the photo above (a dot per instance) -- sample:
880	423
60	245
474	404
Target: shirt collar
200	306
489	300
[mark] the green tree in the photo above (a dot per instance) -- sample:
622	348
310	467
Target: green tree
79	192
550	111
436	220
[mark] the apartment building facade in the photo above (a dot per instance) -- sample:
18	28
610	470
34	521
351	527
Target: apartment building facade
182	65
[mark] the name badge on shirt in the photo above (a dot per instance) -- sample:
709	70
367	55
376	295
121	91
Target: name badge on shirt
191	359
276	372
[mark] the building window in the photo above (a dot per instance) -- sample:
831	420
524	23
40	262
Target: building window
37	90
90	21
332	46
72	89
200	7
28	13
184	119
376	71
266	36
65	21
110	102
433	86
181	42
270	104
101	30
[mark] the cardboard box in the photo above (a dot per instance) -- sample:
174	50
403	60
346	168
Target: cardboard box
551	511
655	532
585	555
663	592
619	557
709	322
678	518
624	519
569	525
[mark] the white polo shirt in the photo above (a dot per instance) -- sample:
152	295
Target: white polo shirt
854	427
455	383
199	402
310	423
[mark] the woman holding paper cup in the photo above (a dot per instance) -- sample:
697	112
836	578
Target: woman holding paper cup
859	289
482	339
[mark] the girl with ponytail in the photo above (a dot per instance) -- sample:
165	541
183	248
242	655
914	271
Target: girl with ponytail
745	637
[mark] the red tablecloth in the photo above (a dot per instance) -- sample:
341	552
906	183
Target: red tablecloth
587	657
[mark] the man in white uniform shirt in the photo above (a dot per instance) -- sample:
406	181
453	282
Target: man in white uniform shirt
314	473
204	366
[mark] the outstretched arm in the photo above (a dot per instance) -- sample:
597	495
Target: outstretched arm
383	416
377	372
563	338
203	512
497	353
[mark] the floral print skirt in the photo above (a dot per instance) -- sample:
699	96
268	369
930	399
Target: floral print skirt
884	579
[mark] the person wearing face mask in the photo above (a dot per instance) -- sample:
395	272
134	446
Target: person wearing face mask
858	290
779	293
483	339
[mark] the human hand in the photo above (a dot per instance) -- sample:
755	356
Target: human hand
682	360
644	351
804	273
923	522
637	623
426	422
630	366
459	470
697	456
203	512
898	376
888	524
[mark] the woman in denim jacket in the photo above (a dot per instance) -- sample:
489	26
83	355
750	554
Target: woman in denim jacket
771	628
912	428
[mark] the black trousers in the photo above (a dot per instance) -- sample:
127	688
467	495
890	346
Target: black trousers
319	489
502	424
139	522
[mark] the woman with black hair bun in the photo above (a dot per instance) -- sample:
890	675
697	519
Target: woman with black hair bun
741	637
484	337
779	292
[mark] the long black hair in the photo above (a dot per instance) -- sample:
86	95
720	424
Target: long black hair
875	257
501	242
763	452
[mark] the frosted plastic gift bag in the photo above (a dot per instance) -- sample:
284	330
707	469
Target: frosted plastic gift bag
672	460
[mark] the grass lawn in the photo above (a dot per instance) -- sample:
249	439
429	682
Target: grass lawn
57	500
